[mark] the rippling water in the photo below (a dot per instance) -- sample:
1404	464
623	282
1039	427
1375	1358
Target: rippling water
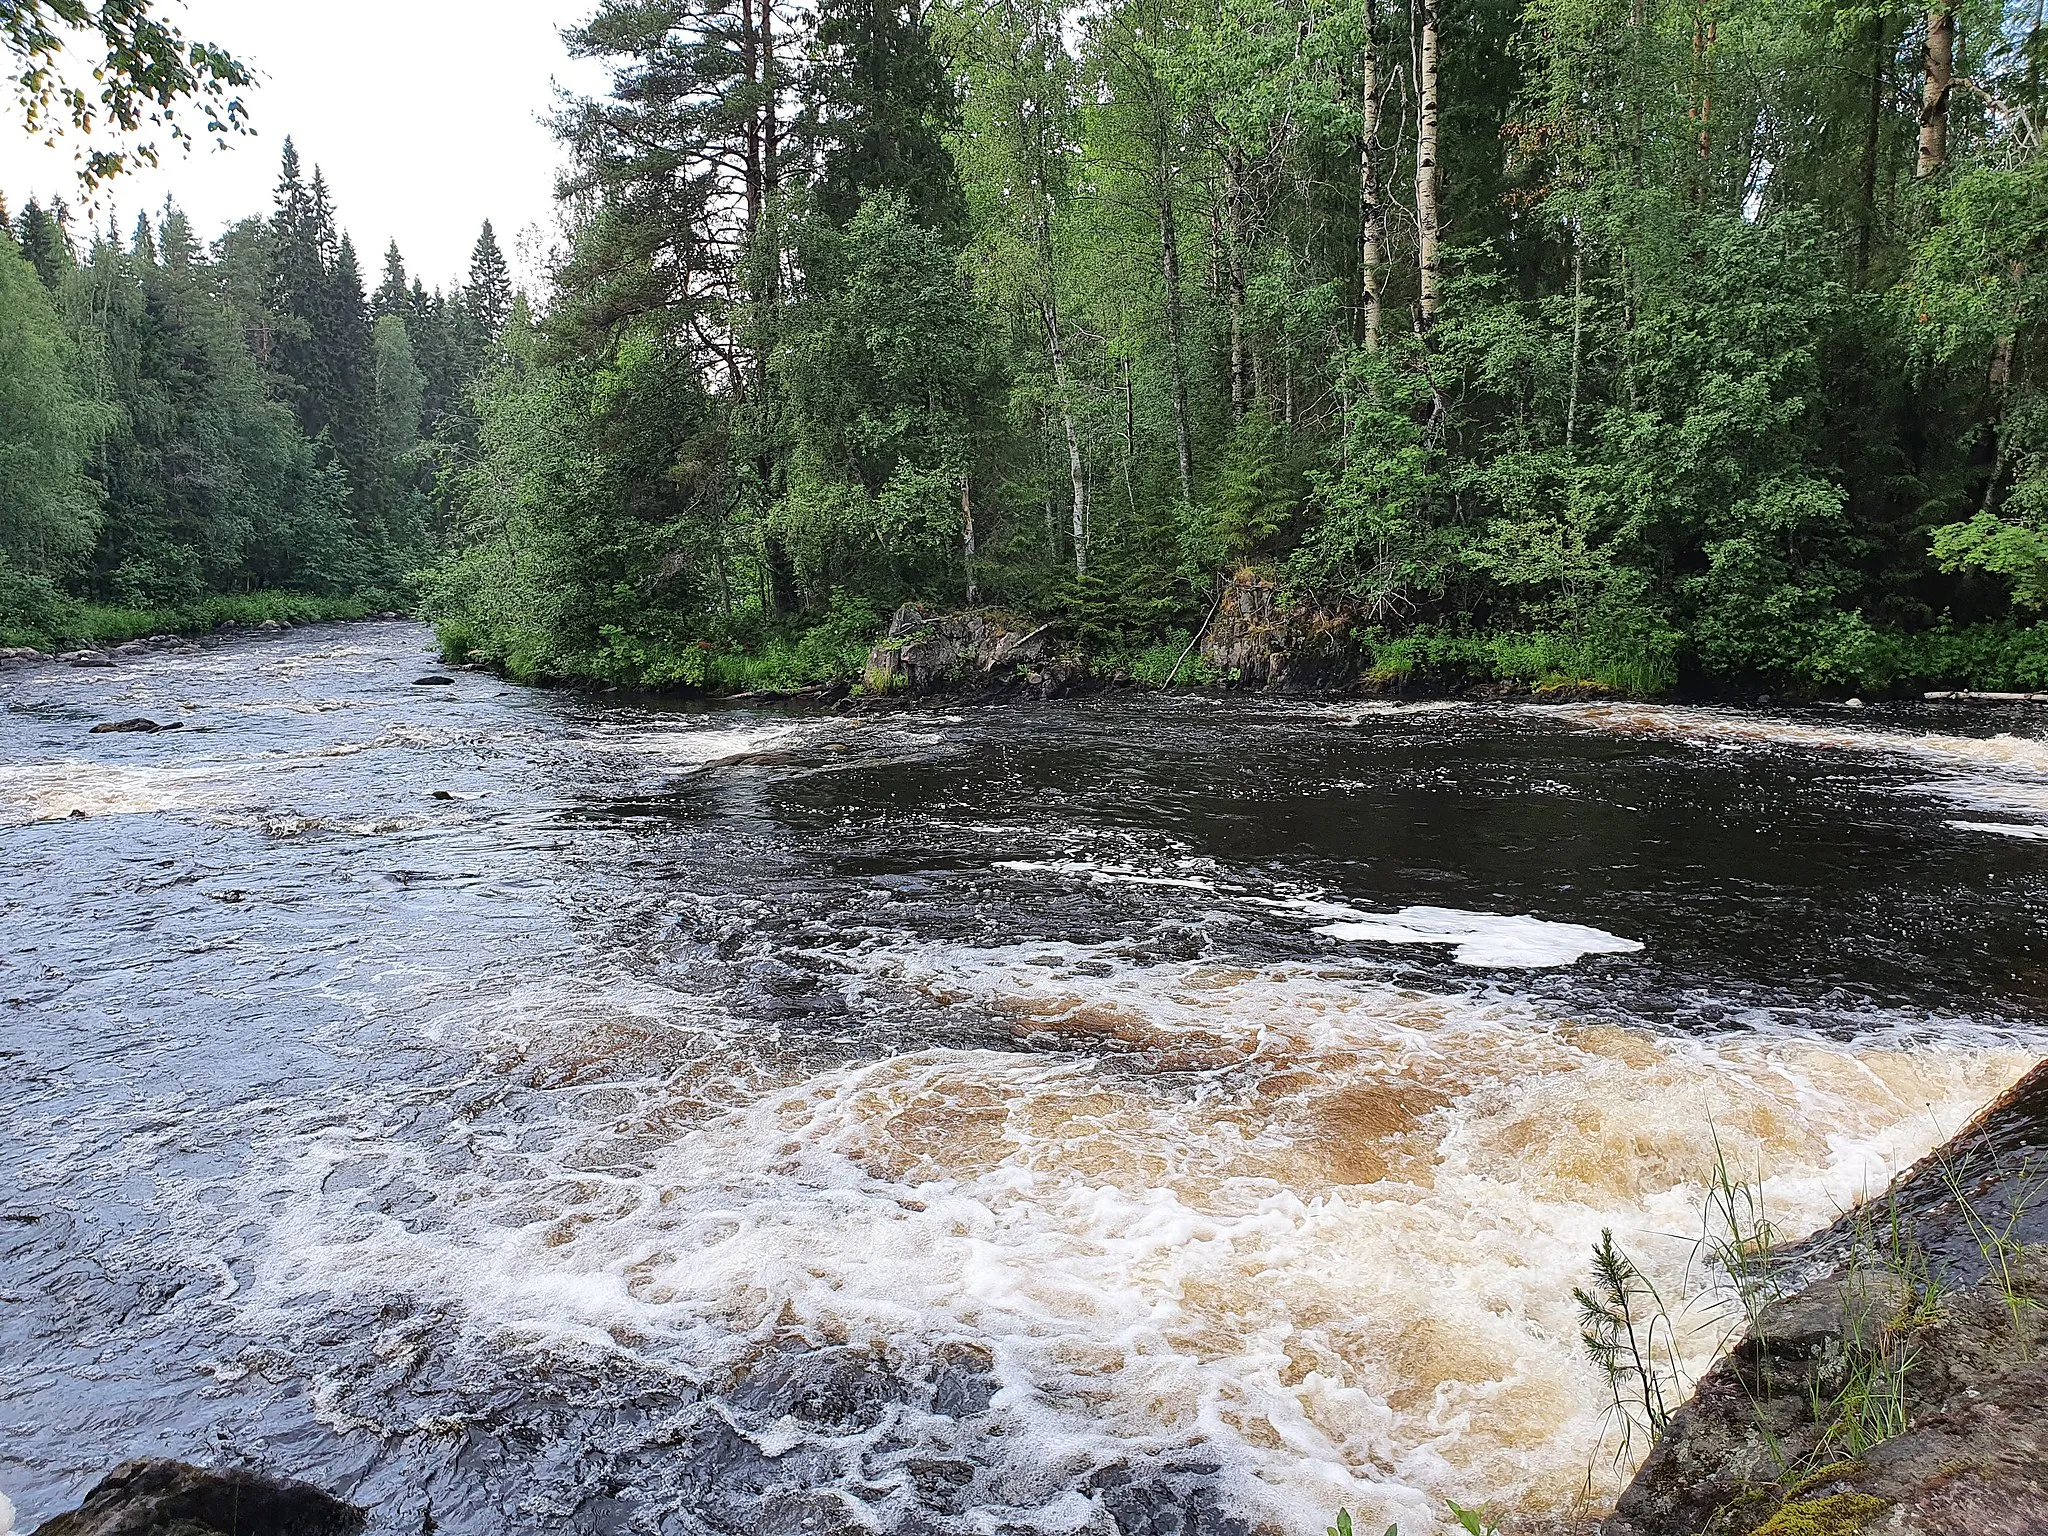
539	1112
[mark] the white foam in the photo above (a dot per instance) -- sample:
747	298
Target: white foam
1337	1259
1482	939
59	790
6	1515
2004	829
696	746
1485	938
1108	874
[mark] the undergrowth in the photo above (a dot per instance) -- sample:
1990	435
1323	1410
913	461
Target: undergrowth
82	624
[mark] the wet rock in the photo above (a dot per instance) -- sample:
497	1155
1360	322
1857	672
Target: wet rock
168	1498
139	726
86	659
1165	1501
433	680
12	654
1760	1449
1258	639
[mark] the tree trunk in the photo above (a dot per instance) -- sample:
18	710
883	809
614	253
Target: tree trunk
967	536
1169	262
1704	32
1866	229
1428	218
750	67
1372	212
771	128
1233	274
1940	70
1571	410
1049	313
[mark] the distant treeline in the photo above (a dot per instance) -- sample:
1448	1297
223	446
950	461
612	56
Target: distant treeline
180	420
1655	338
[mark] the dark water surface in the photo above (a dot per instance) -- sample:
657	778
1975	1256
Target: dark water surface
551	1112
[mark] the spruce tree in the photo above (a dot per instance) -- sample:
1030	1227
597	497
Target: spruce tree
44	243
392	296
487	299
882	104
348	370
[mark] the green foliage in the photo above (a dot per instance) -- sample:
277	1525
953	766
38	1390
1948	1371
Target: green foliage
145	74
68	623
49	511
1714	391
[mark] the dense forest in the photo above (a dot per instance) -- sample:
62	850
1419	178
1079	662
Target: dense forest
186	425
1629	340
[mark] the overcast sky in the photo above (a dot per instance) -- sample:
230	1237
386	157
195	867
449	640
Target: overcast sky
425	115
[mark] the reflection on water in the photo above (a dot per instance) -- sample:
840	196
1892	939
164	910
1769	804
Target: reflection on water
1180	1115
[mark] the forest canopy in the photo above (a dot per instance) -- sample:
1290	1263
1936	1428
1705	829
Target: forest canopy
1635	341
1673	339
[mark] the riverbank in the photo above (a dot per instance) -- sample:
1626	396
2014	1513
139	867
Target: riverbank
1902	1388
1253	638
83	626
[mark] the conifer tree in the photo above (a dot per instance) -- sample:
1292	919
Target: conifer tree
393	296
882	103
487	297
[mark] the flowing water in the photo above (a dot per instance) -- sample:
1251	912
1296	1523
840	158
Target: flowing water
525	1111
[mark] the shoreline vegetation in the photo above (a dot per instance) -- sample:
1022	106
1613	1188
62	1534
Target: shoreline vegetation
839	658
1539	345
761	660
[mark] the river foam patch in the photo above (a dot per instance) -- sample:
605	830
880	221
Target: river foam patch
1314	1231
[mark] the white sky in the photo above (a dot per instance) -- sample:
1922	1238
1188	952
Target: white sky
425	114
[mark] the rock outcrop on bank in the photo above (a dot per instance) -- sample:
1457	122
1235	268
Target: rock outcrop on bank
1905	1390
1257	639
978	651
154	1497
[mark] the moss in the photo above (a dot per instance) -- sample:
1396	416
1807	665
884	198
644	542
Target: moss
1821	1477
1839	1514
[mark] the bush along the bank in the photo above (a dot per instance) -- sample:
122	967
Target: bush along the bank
66	624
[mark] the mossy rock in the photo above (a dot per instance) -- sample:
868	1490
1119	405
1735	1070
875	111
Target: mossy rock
1839	1514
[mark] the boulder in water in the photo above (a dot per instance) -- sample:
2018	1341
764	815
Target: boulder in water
433	680
139	726
20	653
152	1497
86	659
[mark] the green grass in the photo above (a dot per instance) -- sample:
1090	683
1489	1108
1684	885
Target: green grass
90	624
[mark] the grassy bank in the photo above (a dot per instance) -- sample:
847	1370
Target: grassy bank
747	654
1997	657
92	624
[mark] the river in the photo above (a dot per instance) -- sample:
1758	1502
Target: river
523	1110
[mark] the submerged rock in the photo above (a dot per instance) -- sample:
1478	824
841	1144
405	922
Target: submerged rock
434	680
1906	1390
139	726
158	1498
